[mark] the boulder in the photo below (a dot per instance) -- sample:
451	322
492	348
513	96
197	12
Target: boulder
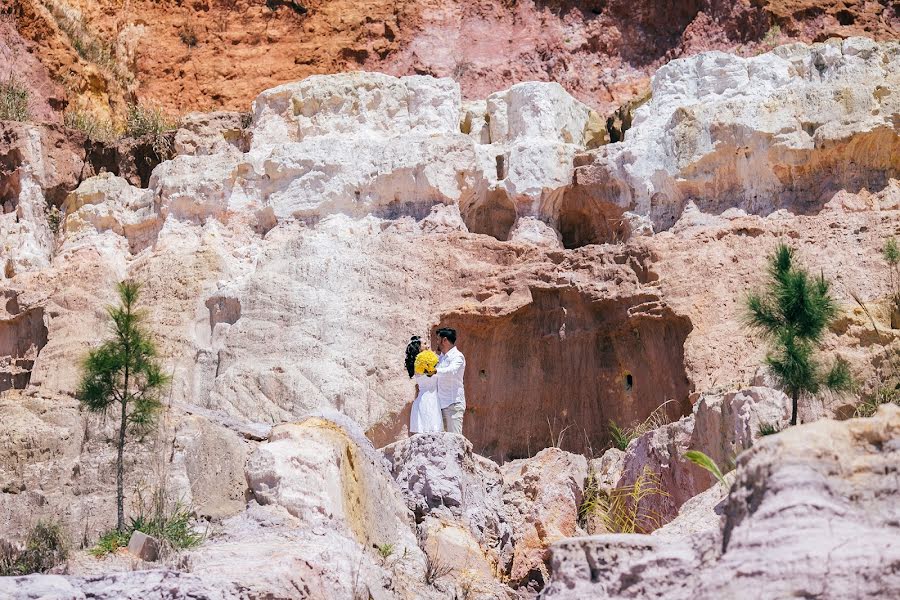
325	473
459	492
143	546
543	495
721	426
796	524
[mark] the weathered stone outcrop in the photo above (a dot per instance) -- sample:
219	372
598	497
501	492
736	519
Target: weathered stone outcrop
442	478
286	262
457	499
811	513
720	426
110	203
786	129
543	495
323	474
57	461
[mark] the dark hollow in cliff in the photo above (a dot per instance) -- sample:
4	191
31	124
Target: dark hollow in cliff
558	370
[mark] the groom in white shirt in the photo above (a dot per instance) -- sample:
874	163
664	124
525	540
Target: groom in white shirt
450	391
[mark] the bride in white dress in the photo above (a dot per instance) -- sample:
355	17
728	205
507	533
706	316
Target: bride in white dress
426	411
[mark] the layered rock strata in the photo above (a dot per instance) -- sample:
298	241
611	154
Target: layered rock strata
783	130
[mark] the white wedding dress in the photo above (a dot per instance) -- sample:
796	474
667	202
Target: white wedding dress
426	412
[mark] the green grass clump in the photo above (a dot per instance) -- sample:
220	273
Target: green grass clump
45	548
624	509
93	127
620	436
170	525
768	429
111	541
883	395
150	121
385	550
13	100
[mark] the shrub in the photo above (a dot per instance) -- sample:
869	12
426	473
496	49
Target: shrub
111	541
54	217
625	510
13	100
592	500
45	548
768	429
92	126
187	35
771	37
169	523
435	568
620	437
792	314
385	550
146	120
885	394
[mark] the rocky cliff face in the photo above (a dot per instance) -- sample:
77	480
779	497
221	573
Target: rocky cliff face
216	54
287	258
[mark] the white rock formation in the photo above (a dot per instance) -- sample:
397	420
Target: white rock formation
109	203
287	279
457	498
324	475
441	478
786	129
26	240
543	494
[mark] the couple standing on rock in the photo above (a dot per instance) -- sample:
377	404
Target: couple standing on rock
440	396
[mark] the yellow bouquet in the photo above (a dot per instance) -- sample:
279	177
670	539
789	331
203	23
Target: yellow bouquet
426	361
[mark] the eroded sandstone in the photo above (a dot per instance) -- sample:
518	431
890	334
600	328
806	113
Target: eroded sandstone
834	539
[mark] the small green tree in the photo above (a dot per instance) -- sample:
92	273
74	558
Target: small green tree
792	315
124	371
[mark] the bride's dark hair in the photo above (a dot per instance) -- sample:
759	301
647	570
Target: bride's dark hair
412	350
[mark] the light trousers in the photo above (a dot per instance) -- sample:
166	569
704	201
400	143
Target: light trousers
453	417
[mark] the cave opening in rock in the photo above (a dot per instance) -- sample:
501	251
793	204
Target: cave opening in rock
21	339
583	219
10	181
493	214
223	309
558	370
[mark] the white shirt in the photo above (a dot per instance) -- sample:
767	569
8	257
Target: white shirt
450	369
